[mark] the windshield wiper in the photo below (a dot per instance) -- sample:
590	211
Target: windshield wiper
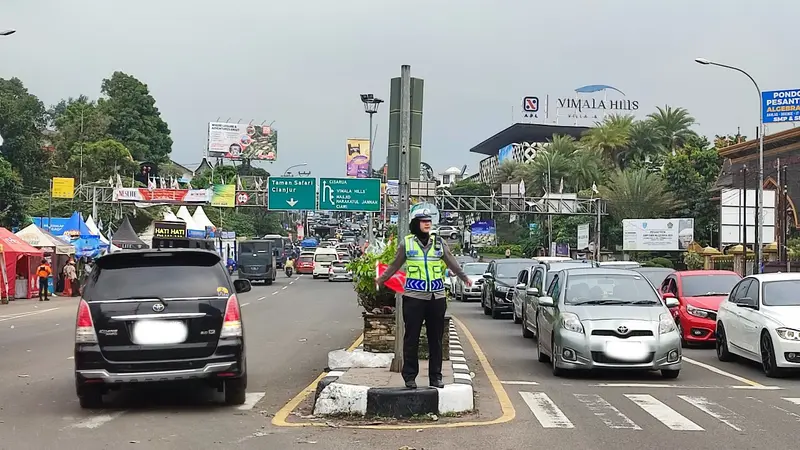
601	302
710	294
143	297
644	302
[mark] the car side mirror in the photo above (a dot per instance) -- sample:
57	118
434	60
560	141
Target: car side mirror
671	302
521	286
746	302
534	292
488	276
666	295
241	286
546	301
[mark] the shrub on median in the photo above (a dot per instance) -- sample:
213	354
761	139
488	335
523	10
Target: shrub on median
364	273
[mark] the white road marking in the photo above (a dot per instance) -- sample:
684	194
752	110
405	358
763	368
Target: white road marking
291	282
719	371
520	383
714	410
25	314
606	412
71	357
663	413
297	278
97	421
758	388
796	401
546	412
243	305
285	287
250	400
261	298
274	293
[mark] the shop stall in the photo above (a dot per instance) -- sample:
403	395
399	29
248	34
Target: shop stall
19	260
55	249
125	238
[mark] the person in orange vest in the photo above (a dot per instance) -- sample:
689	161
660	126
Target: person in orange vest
43	272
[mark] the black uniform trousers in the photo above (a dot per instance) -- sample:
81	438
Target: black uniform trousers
415	312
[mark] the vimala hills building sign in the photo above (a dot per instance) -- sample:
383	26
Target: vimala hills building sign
589	102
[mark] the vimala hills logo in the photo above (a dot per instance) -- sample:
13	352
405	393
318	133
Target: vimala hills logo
586	98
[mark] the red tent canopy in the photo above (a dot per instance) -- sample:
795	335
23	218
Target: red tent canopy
19	258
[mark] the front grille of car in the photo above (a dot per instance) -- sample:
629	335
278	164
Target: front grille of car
602	358
614	333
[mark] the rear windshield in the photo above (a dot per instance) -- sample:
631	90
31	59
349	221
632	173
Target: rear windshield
326	257
340	264
475	269
711	285
306	258
163	274
254	247
511	270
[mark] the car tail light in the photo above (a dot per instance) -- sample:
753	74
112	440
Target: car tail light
232	324
84	325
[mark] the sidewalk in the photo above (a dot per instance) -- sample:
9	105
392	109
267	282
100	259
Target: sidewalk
382	393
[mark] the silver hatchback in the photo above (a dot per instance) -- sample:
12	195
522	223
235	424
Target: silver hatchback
606	319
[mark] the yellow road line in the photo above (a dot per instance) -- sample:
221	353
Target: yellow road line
508	411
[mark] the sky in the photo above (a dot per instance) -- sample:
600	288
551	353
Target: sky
303	64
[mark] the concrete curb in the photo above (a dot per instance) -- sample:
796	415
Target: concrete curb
332	397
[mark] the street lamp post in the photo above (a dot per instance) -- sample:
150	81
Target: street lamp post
286	172
7	32
371	104
760	188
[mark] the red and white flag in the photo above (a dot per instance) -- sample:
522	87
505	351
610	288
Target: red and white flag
396	281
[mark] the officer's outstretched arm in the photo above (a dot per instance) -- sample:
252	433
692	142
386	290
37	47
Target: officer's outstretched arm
399	260
452	263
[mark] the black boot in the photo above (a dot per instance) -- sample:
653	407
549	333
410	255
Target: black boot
411	384
437	383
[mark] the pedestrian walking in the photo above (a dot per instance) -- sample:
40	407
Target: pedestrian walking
43	272
70	279
426	258
508	253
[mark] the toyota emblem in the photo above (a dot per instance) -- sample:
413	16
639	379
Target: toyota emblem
622	330
158	307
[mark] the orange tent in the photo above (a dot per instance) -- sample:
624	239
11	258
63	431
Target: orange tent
19	261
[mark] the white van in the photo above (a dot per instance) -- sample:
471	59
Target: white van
323	258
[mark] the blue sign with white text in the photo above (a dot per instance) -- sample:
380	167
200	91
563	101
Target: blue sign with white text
781	106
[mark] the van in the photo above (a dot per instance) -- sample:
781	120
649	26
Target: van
323	258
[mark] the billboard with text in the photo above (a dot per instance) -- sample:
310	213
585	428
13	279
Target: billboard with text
242	141
357	158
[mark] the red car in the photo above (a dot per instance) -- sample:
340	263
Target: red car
699	293
304	264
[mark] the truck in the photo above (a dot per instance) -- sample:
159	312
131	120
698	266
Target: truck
258	260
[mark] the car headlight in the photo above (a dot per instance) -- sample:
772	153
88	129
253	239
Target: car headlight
697	312
502	289
788	334
666	323
571	322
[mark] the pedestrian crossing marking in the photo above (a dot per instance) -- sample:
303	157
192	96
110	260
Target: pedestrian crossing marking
714	410
546	412
610	415
663	413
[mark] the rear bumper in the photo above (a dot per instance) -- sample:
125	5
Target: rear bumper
206	371
256	277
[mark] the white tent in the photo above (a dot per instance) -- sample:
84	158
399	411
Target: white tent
183	214
147	234
169	216
201	219
96	231
36	237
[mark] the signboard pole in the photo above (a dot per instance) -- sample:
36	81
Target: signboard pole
597	232
50	206
403	202
370	216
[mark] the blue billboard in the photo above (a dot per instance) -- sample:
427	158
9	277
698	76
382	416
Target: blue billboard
780	106
505	154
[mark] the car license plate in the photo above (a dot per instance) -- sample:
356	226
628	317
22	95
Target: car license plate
626	351
159	332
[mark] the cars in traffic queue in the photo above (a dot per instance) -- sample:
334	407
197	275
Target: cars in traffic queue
531	284
474	271
283	245
152	316
656	275
760	321
257	261
304	264
699	294
599	318
338	271
498	285
450	277
448	232
620	264
323	258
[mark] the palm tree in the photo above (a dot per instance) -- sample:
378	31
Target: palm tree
610	137
644	143
637	194
508	172
673	126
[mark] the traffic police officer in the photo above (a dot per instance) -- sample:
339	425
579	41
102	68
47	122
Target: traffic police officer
426	257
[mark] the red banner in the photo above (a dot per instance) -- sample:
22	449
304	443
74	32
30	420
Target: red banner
396	281
161	195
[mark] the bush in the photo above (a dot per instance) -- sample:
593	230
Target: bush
364	273
661	262
693	261
516	250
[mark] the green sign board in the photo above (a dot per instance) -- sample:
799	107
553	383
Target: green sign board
350	194
292	194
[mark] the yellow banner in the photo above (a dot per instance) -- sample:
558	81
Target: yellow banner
63	188
224	196
357	158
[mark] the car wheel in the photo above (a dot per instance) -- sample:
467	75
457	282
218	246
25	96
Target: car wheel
314	277
496	314
670	374
526	333
90	396
454	236
268	282
557	371
721	344
543	358
486	310
517	319
684	344
535	331
768	362
235	391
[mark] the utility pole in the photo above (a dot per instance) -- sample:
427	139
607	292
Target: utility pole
403	202
597	232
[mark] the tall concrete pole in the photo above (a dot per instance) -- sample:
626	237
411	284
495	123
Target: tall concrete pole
403	204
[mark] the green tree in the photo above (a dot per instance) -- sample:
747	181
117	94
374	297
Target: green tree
673	126
134	118
12	203
76	122
220	175
637	194
467	188
101	159
610	138
22	120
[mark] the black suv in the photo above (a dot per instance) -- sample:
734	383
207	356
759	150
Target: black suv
498	289
160	316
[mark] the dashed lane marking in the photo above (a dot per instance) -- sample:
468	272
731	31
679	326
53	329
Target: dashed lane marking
274	293
25	314
520	383
71	357
719	371
251	398
261	298
97	421
243	305
285	287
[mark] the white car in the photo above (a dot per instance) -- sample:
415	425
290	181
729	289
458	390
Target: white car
475	273
760	321
448	232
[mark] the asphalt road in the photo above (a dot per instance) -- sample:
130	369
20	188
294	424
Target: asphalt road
291	327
